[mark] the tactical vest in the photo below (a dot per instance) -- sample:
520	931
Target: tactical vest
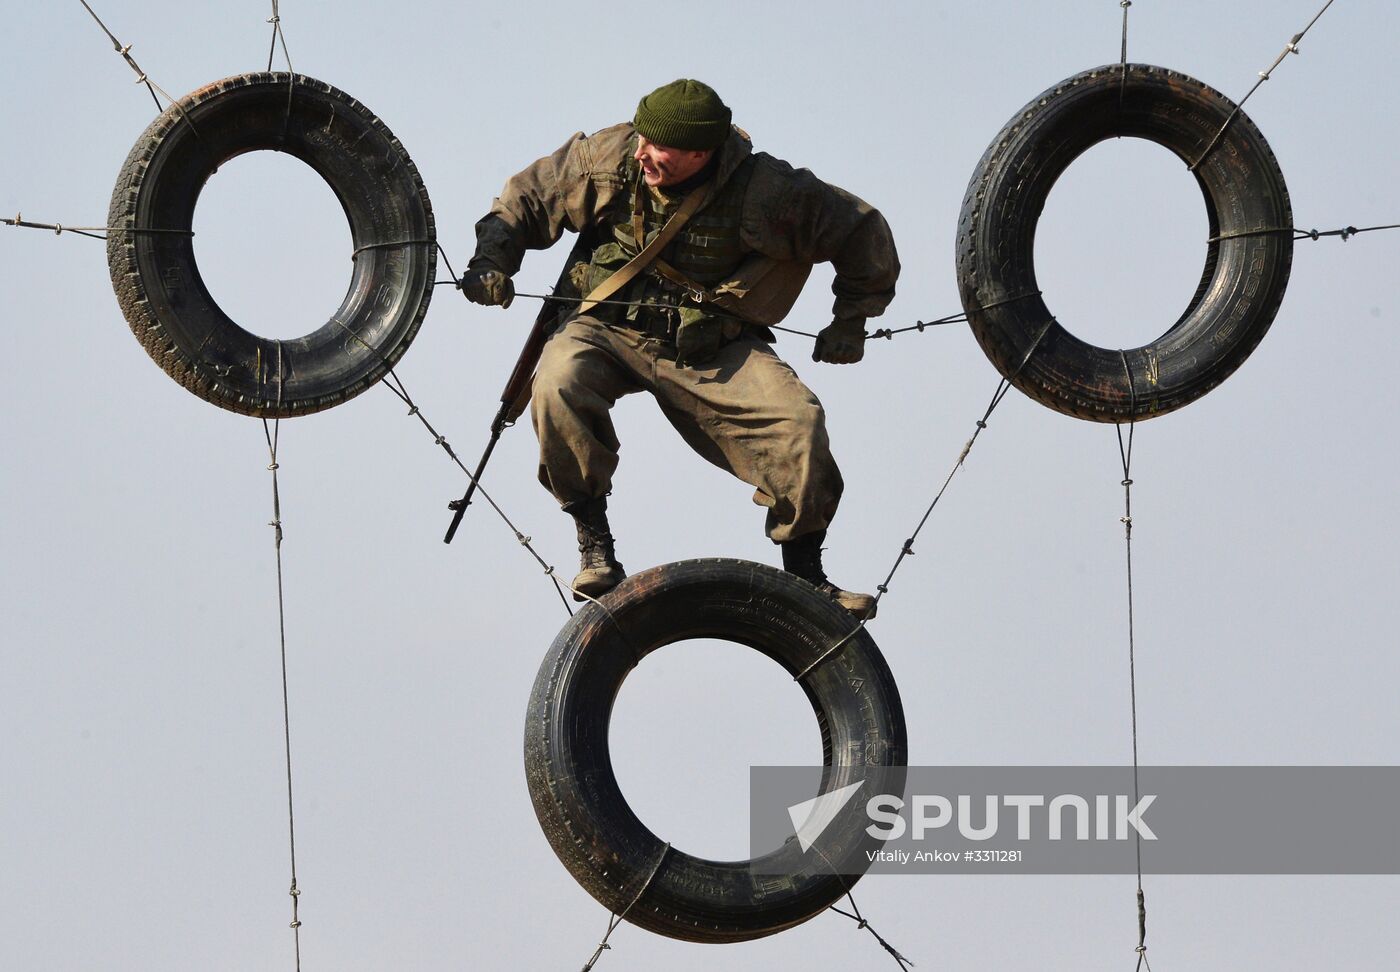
707	250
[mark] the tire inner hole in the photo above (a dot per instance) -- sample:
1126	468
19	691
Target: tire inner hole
1121	244
273	245
686	726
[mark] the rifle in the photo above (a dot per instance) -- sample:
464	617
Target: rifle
514	398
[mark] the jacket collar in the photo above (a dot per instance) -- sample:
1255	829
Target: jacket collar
732	154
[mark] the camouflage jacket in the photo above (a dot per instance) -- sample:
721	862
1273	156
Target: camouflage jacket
785	213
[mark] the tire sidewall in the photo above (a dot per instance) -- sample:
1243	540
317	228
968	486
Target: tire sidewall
1244	278
576	797
157	279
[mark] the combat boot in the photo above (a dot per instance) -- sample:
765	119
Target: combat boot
803	557
599	571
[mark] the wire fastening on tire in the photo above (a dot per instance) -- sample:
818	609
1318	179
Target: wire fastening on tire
576	795
167	303
1246	270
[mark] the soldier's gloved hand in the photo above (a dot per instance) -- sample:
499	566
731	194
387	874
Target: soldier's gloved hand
490	287
841	342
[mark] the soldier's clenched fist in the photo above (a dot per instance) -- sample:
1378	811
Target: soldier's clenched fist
841	342
490	287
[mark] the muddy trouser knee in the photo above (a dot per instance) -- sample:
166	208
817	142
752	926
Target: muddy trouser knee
579	378
747	412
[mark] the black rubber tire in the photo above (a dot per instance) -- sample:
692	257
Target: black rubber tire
576	796
1245	274
167	303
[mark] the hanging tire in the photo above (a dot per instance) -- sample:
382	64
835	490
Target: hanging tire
608	850
1248	254
151	256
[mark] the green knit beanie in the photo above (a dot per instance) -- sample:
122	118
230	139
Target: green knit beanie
684	114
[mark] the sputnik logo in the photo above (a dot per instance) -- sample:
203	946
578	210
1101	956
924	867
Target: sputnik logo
811	817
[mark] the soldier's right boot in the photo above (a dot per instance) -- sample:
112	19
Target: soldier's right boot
803	557
599	571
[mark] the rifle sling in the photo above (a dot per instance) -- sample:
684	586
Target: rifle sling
629	271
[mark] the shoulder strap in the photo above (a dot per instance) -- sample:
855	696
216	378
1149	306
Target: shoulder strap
628	272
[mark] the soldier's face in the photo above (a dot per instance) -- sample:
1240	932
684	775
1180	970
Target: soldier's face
666	166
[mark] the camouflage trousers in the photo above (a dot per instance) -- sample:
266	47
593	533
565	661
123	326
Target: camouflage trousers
745	410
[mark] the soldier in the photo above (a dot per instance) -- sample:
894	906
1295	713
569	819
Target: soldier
684	326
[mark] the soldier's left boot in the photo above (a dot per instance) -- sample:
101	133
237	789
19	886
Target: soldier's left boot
803	557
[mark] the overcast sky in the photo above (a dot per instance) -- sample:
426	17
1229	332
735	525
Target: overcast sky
143	815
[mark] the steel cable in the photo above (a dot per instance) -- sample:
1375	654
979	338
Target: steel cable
615	918
855	915
395	385
1125	455
885	333
1345	232
1290	48
277	34
89	231
273	437
1002	388
907	550
276	21
141	78
1123	53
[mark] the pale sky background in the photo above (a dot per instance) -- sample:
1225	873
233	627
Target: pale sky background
143	817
